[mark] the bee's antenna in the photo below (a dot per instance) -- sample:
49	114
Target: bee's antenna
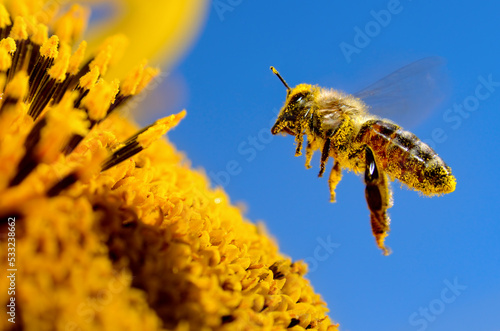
281	78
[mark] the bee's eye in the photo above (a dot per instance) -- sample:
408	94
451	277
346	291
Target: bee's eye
297	98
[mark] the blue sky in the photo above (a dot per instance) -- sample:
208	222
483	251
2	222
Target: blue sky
444	271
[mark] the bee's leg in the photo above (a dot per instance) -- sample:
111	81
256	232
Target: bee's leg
324	157
298	140
378	197
309	153
334	179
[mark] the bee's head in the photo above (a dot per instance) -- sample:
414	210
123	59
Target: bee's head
297	106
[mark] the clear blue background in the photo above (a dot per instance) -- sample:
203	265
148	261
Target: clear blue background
232	96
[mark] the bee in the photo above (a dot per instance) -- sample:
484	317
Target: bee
340	126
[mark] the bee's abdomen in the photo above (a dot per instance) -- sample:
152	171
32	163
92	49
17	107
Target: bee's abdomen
403	156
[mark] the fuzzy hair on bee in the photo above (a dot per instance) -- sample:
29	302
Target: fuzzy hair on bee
340	126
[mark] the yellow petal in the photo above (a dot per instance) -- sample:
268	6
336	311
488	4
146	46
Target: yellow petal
159	30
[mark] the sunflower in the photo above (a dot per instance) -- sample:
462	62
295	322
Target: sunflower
105	226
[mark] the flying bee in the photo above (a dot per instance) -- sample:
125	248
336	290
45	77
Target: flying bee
340	126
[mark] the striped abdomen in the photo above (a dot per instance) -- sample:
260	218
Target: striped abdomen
403	156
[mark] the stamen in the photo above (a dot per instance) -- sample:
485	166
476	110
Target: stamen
110	51
52	71
5	22
9	45
3	77
142	139
61	185
49	47
147	77
70	82
55	75
58	70
101	60
89	80
86	83
77	58
40	36
12	106
15	90
49	10
5	62
49	135
7	49
62	123
20	34
98	100
158	129
19	30
48	53
71	25
18	8
118	44
83	173
130	85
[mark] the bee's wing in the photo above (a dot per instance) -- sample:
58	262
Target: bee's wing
408	95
